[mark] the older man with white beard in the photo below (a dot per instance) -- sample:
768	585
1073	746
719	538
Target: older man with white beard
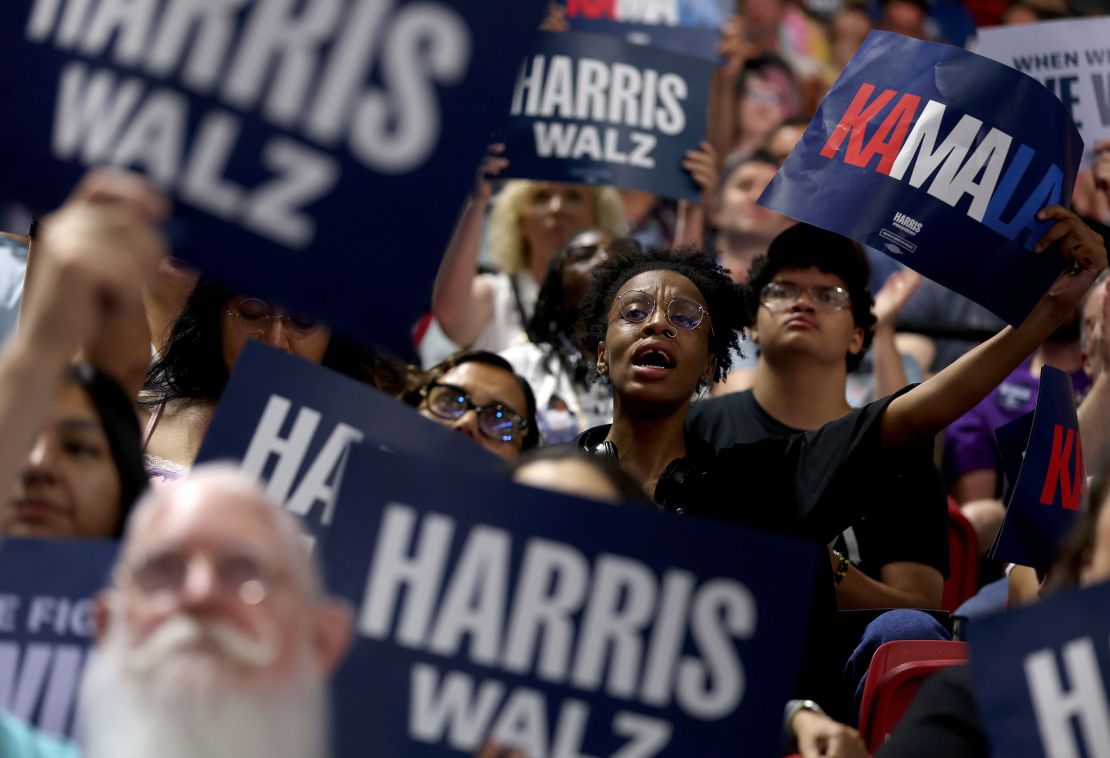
216	638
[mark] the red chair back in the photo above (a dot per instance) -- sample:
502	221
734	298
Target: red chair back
963	560
896	673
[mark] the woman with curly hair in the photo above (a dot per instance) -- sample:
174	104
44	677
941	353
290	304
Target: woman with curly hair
529	222
663	325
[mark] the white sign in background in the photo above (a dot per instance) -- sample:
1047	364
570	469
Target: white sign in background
1071	58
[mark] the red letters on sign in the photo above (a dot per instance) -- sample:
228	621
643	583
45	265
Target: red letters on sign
855	119
1059	469
590	9
887	140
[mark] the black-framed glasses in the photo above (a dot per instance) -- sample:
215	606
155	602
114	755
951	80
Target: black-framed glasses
254	315
781	295
496	421
637	306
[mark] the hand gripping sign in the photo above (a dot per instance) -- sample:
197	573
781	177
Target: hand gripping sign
942	159
560	626
1042	676
598	110
315	149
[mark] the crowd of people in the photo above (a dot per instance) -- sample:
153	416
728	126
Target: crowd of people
710	359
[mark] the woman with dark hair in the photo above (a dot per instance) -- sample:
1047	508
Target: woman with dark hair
187	380
663	325
478	394
553	360
85	469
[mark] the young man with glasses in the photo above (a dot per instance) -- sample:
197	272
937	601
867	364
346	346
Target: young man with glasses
813	323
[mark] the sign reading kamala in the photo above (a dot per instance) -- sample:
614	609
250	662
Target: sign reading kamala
1045	502
303	141
929	153
1071	58
692	27
1042	676
596	110
46	625
568	628
291	423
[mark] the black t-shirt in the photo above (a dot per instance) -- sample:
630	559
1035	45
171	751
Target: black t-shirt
900	492
804	484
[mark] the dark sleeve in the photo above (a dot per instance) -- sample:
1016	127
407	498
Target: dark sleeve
908	521
943	720
787	483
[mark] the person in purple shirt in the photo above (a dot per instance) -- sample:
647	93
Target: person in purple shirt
971	464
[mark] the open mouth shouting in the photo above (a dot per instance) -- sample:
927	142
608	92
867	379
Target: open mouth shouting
652	360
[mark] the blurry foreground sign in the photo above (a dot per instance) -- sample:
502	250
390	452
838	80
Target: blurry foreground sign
1071	58
290	423
303	142
564	627
929	153
46	625
1042	676
1044	505
598	110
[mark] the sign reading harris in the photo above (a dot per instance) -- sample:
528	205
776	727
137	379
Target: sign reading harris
1042	676
291	423
564	627
46	626
597	110
1071	58
928	153
691	27
1045	502
303	142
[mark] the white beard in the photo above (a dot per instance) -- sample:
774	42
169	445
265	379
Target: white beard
184	706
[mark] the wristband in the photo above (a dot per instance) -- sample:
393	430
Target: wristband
841	567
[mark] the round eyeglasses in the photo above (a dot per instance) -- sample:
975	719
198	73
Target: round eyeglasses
162	575
254	316
782	295
496	421
637	306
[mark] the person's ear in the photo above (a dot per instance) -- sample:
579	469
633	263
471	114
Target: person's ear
710	368
855	344
753	334
101	613
602	359
333	633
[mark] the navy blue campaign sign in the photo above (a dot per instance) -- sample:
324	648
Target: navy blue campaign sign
1041	676
46	625
1045	501
566	627
691	27
291	423
1011	439
597	110
942	159
314	149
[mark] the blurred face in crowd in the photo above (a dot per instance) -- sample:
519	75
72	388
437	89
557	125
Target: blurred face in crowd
569	477
783	139
216	640
762	19
652	359
817	323
765	102
246	318
904	17
455	398
586	251
739	212
847	30
69	485
554	212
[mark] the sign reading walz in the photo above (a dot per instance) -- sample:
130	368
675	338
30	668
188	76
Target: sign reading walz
564	627
303	141
46	626
597	110
291	423
927	152
1042	676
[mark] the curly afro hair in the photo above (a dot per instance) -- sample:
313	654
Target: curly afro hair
805	246
728	303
